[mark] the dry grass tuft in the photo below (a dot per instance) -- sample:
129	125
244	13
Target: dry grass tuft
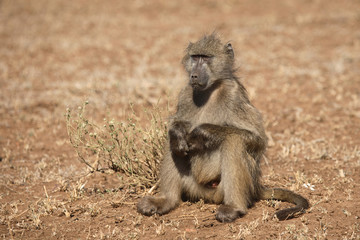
125	147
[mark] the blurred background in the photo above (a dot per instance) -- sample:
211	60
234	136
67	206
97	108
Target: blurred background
299	60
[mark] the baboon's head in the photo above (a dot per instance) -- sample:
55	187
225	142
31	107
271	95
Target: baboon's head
207	61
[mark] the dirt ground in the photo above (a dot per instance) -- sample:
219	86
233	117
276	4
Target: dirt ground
299	60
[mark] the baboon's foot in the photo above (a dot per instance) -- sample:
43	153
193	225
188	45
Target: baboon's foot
227	213
151	205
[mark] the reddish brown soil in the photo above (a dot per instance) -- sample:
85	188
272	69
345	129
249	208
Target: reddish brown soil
299	60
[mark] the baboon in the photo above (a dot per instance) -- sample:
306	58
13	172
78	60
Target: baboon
216	140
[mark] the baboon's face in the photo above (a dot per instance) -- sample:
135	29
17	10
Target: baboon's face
200	71
207	61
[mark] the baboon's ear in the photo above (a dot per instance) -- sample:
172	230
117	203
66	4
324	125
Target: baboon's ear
229	50
189	46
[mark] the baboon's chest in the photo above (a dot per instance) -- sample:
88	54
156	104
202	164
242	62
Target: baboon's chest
210	113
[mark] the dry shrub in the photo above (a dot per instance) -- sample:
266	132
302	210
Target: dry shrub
125	147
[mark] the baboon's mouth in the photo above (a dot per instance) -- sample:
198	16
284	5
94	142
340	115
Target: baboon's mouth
198	87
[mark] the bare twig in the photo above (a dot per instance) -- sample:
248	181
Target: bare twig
154	187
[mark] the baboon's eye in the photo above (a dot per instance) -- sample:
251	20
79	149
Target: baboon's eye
196	58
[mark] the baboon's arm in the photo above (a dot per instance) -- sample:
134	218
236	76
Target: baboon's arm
209	136
177	135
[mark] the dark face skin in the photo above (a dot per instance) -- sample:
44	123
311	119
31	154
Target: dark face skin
199	77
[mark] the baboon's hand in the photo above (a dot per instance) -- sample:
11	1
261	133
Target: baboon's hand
197	140
177	135
205	137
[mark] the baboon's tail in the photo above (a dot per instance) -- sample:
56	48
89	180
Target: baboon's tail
300	202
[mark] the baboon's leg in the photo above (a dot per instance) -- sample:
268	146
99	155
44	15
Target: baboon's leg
235	180
170	190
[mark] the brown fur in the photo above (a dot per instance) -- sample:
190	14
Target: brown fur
216	141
